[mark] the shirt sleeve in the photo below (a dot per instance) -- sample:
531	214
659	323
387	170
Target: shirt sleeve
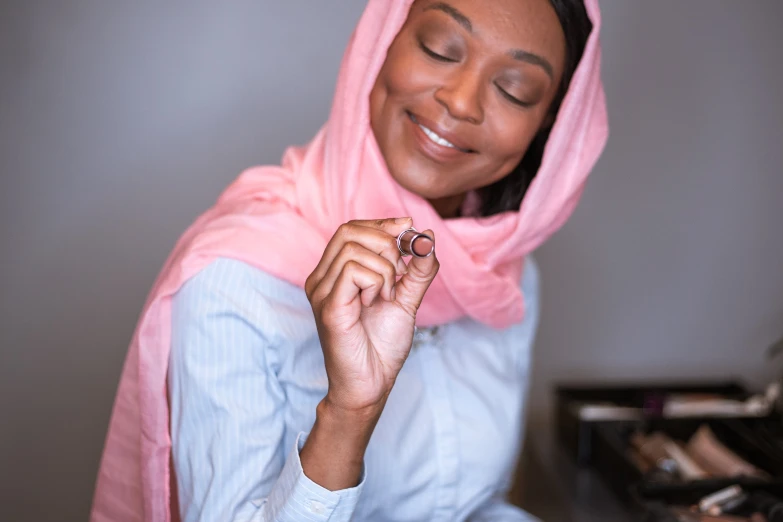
227	410
497	509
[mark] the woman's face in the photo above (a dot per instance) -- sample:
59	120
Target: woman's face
465	87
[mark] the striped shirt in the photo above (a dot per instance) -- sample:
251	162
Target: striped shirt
247	372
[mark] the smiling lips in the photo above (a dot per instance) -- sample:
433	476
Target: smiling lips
447	144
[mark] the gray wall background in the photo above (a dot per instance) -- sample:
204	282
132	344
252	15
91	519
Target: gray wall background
121	122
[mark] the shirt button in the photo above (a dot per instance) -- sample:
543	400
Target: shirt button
317	507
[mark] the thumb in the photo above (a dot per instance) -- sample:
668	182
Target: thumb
410	289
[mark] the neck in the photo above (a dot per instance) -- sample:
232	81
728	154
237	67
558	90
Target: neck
448	207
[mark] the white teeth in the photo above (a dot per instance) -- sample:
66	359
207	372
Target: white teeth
437	139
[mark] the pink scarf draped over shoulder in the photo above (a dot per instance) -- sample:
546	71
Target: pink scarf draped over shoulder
340	176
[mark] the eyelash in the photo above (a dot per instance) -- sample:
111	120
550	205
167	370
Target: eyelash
512	99
432	54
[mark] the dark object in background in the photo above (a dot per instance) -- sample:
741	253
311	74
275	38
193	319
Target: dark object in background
758	506
597	427
575	429
703	456
771	507
612	441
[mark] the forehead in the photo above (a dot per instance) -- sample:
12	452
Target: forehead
531	25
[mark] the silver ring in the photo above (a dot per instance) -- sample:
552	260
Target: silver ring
407	249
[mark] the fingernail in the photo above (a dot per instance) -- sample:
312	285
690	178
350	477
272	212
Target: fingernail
400	221
402	268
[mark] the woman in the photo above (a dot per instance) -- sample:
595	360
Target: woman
282	329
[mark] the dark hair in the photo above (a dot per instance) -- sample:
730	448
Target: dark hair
507	193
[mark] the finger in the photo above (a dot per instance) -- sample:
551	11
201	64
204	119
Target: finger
421	272
368	259
392	226
379	236
355	281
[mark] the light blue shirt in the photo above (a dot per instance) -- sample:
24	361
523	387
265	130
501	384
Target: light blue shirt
247	372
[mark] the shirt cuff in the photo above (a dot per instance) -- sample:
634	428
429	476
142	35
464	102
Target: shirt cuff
295	497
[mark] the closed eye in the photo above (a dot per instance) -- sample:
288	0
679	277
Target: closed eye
432	54
512	99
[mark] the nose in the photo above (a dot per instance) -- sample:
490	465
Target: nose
461	96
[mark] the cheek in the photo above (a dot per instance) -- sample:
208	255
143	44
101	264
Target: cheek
514	129
385	93
511	135
403	75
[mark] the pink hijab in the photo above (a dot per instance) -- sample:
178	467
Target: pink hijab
279	219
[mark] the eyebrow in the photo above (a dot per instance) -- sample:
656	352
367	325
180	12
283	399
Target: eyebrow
534	59
517	54
453	12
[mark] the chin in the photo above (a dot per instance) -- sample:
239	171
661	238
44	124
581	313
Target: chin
421	186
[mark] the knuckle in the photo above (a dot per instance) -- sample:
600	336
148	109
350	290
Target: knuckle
351	266
351	248
344	230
